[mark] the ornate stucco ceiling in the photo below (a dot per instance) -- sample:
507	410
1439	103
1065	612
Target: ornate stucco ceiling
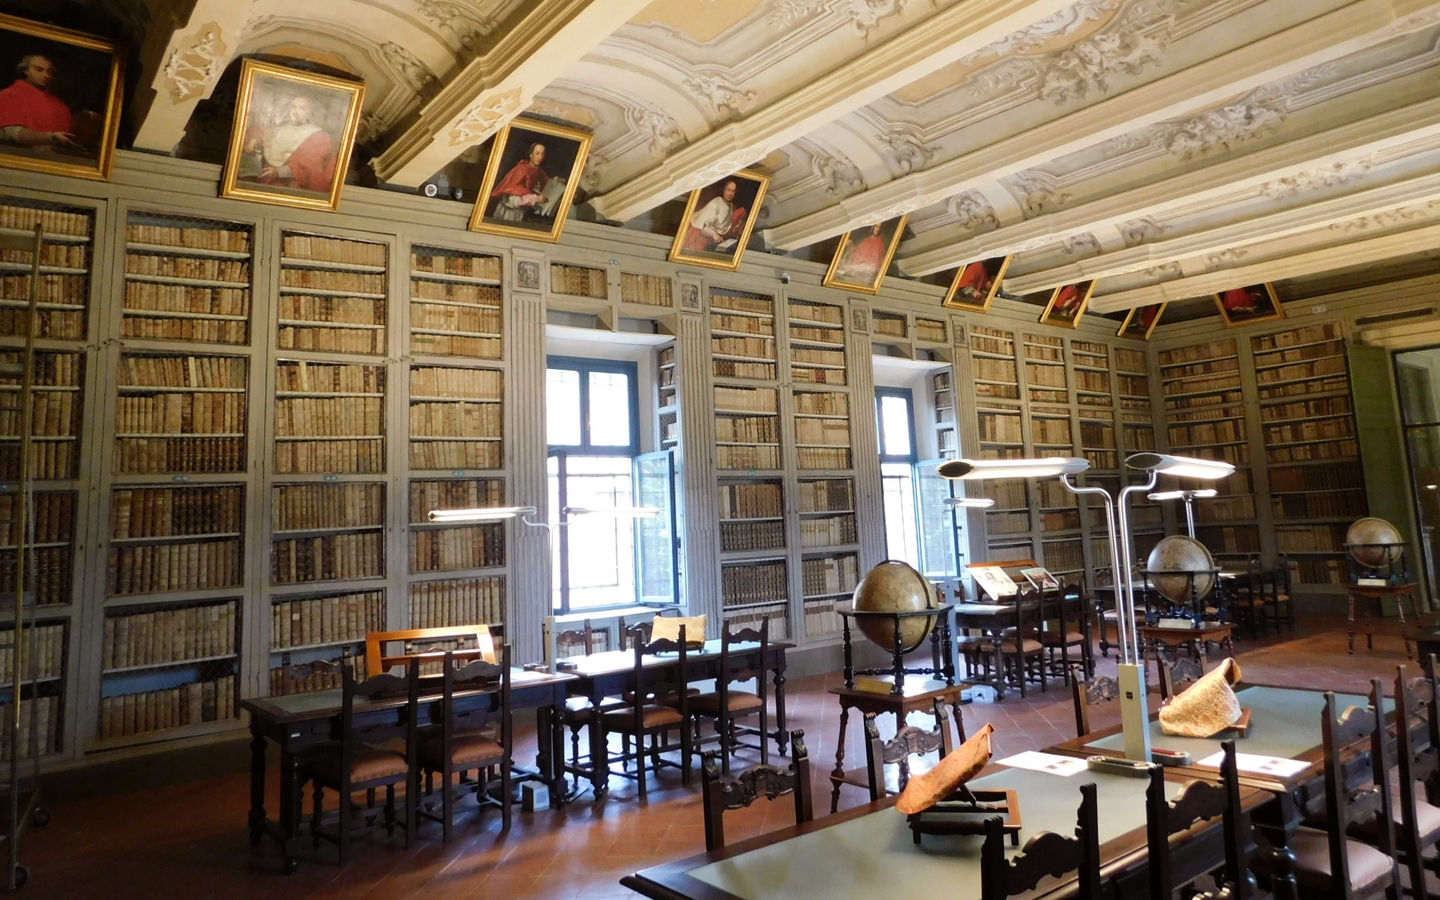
1168	148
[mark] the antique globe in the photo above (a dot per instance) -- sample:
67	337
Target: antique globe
1177	561
1374	542
894	586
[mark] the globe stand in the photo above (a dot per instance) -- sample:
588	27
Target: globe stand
942	663
1196	612
1393	571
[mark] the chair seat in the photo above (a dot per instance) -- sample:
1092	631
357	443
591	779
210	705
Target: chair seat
651	716
1029	645
1055	639
1110	615
1427	817
366	764
465	750
739	701
1368	866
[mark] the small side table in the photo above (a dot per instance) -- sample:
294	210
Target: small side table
1373	597
1172	639
917	694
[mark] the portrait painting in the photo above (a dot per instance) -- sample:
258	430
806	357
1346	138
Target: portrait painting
718	220
976	284
292	136
1253	303
864	255
531	180
60	105
1067	304
1140	321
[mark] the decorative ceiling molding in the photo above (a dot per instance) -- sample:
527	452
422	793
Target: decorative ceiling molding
462	26
941	39
1205	85
494	87
864	16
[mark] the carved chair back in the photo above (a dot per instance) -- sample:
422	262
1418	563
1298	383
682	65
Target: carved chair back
1361	808
1087	693
575	641
723	793
1176	676
910	740
1047	853
1198	801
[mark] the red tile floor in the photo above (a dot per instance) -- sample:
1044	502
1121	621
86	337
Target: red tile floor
188	839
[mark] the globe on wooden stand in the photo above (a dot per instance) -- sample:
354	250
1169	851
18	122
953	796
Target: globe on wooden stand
1376	550
897	608
1181	570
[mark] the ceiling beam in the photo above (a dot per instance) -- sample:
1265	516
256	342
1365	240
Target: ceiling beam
497	86
1409	192
1348	141
1308	262
928	46
1336	34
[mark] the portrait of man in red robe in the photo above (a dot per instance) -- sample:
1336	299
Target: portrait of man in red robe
31	116
864	254
1067	304
295	153
975	284
1248	304
522	190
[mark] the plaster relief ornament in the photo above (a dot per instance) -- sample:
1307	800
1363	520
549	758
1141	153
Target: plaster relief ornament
372	128
973	212
413	73
723	98
463	27
907	149
864	16
193	66
662	135
1081	245
718	169
484	116
1037	192
1142	230
1390	218
842	178
1336	173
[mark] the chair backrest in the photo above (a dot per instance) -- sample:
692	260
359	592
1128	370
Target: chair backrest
575	641
722	793
1432	784
1047	853
1197	801
467	670
1086	693
1363	807
744	665
909	741
1028	611
1175	676
376	686
648	682
380	653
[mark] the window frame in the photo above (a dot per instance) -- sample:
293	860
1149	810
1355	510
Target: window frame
584	366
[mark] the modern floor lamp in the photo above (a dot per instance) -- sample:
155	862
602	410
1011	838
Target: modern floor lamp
1189	497
1134	705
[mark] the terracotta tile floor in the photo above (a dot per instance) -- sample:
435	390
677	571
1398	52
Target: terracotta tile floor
189	839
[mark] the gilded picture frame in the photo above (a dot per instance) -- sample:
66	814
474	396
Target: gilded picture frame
541	164
1140	321
292	137
1067	304
61	113
725	225
976	283
864	256
1252	303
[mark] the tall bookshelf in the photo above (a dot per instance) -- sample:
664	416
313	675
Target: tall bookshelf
1000	421
186	279
333	295
455	303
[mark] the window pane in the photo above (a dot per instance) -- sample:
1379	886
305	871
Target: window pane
609	409
562	407
895	426
602	548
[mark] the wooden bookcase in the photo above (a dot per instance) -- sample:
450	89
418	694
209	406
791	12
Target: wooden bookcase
333	295
455	304
186	279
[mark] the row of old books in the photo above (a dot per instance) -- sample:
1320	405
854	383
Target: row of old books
741	536
1310	538
751	500
142	370
52	414
823	458
830	336
1085	380
807	355
52	369
46	711
156	455
816	312
471	320
1325	406
456	455
327	249
1045	376
721	298
761	582
67	256
444	381
308	621
49	460
351	457
187	705
200	268
827	531
54	324
1207	432
1043	348
774	618
1306	385
187	298
456	419
1329	477
1100	435
296	308
455	292
833	432
1330	365
579	281
646	290
448	264
747	399
748	429
1310	334
1341	426
817	376
471	493
331	557
1230	539
1064	556
52	570
821	618
157	568
1000	427
233	240
313	507
339	416
327	378
1195	352
888	324
755	457
450	345
743	324
991	340
143	512
1328	505
1222	366
48	659
830	574
452	549
931	330
331	280
1311	570
330	340
988	369
748	347
468	601
1301	354
827	494
163	414
53	221
308	680
52	515
169	635
205	331
1222	509
1306	452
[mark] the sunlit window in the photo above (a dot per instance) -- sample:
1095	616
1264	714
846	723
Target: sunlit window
895	415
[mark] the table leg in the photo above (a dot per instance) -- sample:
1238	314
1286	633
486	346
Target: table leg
782	733
289	808
257	786
837	776
1277	820
1404	629
1350	622
550	753
999	682
599	753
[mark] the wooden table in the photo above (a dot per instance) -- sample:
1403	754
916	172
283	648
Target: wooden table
1285	722
298	721
994	618
1157	638
609	674
868	852
1373	596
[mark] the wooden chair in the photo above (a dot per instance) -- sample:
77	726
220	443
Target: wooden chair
1067	630
1417	821
457	746
724	705
1047	853
575	714
644	717
1021	651
379	656
1282	592
1199	801
1086	694
351	765
1328	863
908	741
1178	674
1248	600
722	794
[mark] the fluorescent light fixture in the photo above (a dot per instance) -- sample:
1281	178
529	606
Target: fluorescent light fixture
1180	466
618	512
1205	494
982	469
970	502
482	514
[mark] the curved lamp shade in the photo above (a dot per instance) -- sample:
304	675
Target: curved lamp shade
482	514
970	502
1180	466
982	469
1204	494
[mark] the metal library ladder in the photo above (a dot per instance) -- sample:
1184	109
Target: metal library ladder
21	790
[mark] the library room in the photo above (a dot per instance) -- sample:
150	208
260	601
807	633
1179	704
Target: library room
762	450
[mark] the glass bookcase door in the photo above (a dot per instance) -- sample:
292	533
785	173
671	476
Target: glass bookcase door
939	525
657	573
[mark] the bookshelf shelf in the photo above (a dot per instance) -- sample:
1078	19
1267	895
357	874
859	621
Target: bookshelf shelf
317	431
455	300
343	525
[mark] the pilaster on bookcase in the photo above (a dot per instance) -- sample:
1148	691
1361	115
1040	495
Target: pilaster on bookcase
455	303
332	295
186	279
